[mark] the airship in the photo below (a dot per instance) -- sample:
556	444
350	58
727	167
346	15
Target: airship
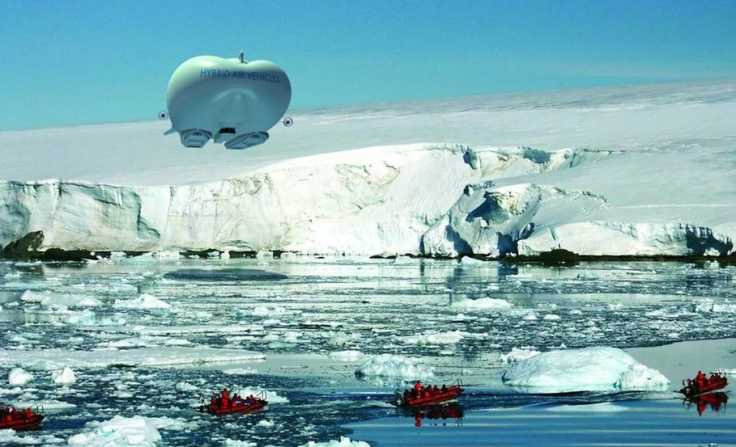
230	101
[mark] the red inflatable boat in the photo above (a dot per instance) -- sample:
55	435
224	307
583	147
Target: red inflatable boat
427	395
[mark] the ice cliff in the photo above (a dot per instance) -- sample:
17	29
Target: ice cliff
663	191
433	200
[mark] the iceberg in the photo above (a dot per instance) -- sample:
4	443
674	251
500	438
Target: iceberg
601	369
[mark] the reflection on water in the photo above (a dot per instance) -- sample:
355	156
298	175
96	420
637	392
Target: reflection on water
438	414
627	423
714	401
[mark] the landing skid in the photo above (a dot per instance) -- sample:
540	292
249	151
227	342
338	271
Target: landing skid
247	140
198	138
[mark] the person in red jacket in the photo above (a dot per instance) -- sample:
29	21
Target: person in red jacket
700	379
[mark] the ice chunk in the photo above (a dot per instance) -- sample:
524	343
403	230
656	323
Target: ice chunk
84	318
343	442
708	305
64	377
440	338
119	431
235	443
393	366
47	404
589	369
240	371
8	436
54	359
19	377
30	296
640	378
144	301
483	304
517	355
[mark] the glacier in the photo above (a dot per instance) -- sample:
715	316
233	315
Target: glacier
626	171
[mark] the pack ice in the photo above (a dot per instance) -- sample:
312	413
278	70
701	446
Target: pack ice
645	170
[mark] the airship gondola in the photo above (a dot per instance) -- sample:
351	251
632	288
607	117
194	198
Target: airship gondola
230	101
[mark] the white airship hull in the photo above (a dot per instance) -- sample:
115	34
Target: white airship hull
231	101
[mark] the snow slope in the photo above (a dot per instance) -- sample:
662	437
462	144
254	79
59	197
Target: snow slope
645	170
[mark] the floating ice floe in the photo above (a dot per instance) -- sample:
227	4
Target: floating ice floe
29	296
118	431
468	261
90	318
394	367
343	442
240	371
59	300
9	436
144	301
64	377
708	305
46	404
483	304
517	355
590	369
440	338
54	359
19	377
236	443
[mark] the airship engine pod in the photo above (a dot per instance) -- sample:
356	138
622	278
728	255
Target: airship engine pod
231	101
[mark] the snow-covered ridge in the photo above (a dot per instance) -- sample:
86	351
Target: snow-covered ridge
667	192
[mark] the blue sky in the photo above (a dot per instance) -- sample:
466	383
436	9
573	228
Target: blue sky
79	61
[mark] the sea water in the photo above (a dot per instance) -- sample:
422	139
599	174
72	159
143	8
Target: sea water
459	318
